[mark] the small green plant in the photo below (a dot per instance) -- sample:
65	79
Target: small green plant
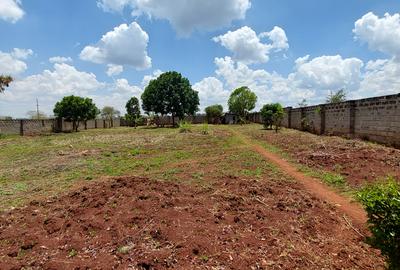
318	110
72	253
334	179
205	130
185	126
382	203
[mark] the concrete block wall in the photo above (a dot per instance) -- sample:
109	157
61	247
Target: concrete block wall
313	119
295	118
36	127
376	119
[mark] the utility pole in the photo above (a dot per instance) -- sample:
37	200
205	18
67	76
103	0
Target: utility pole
37	109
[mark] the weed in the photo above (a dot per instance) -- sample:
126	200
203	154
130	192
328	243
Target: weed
185	126
72	253
125	249
205	130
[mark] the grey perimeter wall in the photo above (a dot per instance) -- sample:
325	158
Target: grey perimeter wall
36	127
375	119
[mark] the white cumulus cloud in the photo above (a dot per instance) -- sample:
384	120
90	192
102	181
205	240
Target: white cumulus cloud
113	70
60	59
11	11
247	46
185	16
12	64
328	73
381	34
211	91
126	45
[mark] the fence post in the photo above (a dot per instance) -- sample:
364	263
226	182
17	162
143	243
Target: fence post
21	127
289	117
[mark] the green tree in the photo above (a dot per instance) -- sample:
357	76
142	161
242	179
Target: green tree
76	109
336	97
214	113
272	115
170	93
241	102
5	82
133	111
109	113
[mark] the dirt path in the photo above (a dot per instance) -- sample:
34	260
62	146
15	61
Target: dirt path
353	210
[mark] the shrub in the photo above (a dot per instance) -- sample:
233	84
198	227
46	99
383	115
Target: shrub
382	203
272	114
185	126
214	113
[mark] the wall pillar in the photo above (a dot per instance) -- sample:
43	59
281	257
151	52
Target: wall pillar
352	119
323	117
21	127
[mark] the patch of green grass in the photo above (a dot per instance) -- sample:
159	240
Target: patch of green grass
333	179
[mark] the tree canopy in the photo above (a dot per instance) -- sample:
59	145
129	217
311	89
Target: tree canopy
241	101
170	93
272	114
5	82
109	112
76	109
133	108
214	112
133	111
336	97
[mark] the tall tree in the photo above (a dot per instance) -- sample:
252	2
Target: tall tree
242	101
336	97
133	111
170	93
76	109
5	82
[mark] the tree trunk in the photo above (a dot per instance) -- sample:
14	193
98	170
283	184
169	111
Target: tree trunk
173	120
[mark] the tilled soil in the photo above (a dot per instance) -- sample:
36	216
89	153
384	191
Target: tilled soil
358	161
137	223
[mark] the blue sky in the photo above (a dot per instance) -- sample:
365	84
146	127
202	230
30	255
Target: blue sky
283	50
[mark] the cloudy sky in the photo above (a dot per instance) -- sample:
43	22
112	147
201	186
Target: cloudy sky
283	50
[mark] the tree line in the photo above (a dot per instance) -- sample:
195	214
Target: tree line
169	94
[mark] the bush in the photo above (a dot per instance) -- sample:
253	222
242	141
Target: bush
382	203
272	114
185	126
214	113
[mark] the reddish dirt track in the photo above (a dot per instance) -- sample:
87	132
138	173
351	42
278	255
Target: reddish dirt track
137	223
320	190
353	210
358	161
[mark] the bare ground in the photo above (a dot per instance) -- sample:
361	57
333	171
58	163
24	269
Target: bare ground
137	223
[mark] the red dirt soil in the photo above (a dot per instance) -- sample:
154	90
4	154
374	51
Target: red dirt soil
137	223
358	161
